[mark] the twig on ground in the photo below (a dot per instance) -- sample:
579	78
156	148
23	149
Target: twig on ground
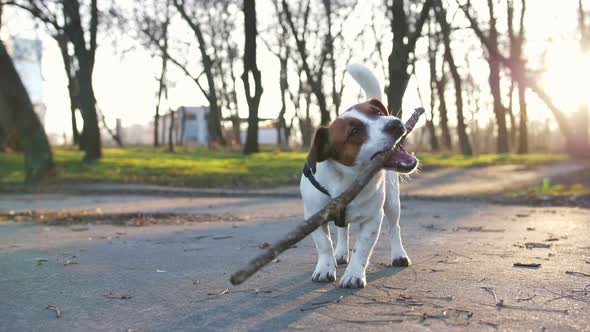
526	298
222	237
219	294
330	301
492	325
316	305
477	229
491	291
56	309
354	321
527	265
577	274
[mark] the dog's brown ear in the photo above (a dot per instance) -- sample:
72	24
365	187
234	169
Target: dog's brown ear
377	103
319	150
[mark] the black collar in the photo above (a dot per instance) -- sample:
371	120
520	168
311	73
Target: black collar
308	172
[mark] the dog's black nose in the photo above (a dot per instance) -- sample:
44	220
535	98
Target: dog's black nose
395	127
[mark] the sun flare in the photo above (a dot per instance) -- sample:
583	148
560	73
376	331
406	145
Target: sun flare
567	79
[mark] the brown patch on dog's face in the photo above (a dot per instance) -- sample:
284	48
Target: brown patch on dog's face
371	108
341	142
347	136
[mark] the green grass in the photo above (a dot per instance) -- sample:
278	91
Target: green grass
146	165
198	167
555	190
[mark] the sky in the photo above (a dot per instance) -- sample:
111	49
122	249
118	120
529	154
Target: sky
125	82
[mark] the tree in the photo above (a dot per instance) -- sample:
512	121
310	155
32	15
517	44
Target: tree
64	20
490	41
250	68
584	27
430	122
437	85
214	119
441	17
516	41
404	44
314	77
17	113
525	78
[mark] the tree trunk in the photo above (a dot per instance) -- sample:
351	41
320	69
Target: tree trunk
499	110
73	86
250	68
441	16
90	137
442	109
16	111
284	86
432	66
161	89
171	131
523	144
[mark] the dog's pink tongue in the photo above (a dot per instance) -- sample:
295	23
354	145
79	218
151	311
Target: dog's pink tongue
401	157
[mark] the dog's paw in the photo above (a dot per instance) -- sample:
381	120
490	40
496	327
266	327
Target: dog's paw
341	258
324	272
401	261
353	280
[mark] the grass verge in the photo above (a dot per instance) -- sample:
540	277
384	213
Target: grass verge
200	168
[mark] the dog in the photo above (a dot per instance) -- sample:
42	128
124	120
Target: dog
339	152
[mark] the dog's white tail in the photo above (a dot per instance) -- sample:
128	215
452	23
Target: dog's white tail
366	79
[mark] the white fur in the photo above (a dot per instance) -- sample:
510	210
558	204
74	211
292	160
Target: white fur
366	79
378	200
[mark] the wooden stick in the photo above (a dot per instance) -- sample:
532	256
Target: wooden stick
322	217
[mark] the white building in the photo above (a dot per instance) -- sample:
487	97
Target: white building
189	127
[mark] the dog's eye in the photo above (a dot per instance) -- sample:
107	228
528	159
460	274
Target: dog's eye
377	112
354	131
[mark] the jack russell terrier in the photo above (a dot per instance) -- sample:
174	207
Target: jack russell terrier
338	154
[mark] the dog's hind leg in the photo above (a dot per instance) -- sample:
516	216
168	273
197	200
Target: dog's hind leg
342	245
391	207
325	270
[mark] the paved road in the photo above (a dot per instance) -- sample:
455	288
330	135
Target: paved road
175	277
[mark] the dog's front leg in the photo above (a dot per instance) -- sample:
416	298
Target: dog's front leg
355	276
342	245
325	269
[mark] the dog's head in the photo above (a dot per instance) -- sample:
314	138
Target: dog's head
357	135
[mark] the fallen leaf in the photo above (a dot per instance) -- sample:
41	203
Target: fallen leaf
54	308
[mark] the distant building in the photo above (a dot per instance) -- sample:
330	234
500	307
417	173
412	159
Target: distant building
26	55
266	135
189	126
